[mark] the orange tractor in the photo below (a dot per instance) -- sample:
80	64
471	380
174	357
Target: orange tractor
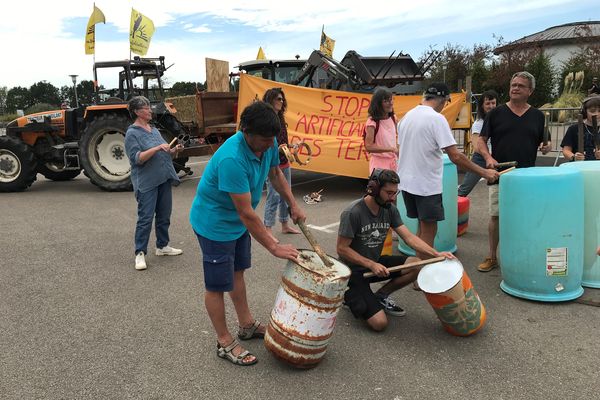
60	144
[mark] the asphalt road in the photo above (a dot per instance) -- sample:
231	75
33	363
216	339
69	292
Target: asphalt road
78	322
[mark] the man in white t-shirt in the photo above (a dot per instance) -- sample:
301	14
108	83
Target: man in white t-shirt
422	135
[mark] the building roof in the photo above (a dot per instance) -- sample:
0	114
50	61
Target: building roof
575	32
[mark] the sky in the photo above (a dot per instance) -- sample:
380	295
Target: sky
44	40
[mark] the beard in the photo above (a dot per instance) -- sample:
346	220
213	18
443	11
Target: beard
382	203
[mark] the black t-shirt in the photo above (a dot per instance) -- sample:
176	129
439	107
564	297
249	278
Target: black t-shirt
514	138
571	140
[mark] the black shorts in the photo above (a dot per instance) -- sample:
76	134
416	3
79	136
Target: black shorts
359	297
424	208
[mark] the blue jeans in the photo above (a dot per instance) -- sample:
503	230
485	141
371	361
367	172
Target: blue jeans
471	178
274	201
159	202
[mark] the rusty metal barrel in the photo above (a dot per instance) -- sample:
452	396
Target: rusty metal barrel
305	311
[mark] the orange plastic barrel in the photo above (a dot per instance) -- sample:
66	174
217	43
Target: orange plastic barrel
463	215
305	311
450	292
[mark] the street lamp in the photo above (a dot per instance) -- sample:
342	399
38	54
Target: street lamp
74	79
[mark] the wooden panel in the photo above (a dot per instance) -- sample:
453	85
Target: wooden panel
217	75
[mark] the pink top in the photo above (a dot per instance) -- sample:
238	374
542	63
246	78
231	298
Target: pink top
386	137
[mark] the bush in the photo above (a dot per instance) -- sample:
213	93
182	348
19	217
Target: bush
40	107
8	117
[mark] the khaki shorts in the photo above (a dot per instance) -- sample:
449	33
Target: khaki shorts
494	209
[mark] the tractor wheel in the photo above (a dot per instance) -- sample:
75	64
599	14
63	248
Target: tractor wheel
18	165
102	153
56	172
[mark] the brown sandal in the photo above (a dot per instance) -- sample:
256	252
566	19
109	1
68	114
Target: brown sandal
226	353
251	332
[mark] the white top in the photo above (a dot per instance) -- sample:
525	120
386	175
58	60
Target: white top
476	128
422	134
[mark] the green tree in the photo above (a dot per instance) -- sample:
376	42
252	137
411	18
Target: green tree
541	68
185	88
3	93
45	92
18	98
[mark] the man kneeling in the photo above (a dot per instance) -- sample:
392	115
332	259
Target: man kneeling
363	227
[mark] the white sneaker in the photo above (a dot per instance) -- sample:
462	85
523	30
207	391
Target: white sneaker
140	261
168	251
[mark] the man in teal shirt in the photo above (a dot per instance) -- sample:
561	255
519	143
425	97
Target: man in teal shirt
223	218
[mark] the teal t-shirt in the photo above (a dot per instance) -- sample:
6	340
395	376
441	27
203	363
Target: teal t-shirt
234	168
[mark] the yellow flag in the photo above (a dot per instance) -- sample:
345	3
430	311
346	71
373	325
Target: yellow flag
261	54
90	33
141	29
327	44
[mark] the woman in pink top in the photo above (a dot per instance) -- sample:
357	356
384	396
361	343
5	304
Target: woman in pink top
381	134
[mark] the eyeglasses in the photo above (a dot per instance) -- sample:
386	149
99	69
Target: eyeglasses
388	100
391	193
279	99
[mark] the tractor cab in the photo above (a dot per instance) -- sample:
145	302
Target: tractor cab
137	77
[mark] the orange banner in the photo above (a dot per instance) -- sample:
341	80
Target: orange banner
332	122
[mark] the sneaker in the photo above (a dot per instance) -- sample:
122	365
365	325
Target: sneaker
140	261
487	265
168	251
390	307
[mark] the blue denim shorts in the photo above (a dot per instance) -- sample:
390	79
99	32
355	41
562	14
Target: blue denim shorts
221	259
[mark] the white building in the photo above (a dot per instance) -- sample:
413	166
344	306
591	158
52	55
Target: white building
558	42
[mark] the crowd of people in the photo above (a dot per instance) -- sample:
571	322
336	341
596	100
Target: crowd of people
405	157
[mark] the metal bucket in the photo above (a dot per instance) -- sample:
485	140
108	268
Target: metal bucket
450	292
305	311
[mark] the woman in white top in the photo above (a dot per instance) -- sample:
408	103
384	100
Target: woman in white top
486	103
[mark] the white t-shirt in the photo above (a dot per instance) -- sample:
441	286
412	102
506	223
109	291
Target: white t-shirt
476	130
422	134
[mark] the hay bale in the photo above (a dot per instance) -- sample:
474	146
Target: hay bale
186	108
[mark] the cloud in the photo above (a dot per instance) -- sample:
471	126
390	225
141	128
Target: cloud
48	44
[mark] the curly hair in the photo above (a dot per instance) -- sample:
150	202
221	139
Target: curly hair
259	118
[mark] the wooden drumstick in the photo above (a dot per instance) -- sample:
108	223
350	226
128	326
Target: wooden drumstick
313	242
172	142
408	265
506	170
580	134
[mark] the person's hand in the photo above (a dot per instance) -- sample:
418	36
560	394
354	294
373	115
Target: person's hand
446	254
164	147
490	162
379	270
297	214
177	148
491	175
285	251
580	156
545	148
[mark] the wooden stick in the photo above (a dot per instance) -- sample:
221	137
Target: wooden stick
313	242
172	142
506	164
408	265
580	134
506	170
595	131
546	133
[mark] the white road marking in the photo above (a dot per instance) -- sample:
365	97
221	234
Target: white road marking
196	163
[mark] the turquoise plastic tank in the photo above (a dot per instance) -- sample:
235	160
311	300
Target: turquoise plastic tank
591	220
541	233
445	240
